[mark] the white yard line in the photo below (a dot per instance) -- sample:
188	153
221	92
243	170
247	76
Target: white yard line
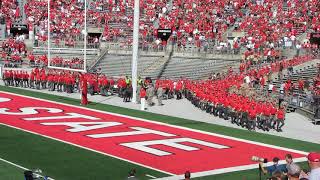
148	175
20	167
16	165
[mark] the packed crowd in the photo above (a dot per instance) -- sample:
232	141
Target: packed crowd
267	24
10	12
234	97
12	51
66	18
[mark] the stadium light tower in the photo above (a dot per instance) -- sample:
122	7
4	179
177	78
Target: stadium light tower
135	49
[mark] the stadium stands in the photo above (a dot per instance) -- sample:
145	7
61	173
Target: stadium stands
194	68
247	62
13	50
265	24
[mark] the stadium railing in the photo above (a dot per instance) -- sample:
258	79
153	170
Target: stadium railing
65	51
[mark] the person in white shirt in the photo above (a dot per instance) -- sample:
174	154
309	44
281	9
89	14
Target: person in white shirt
314	164
247	79
270	87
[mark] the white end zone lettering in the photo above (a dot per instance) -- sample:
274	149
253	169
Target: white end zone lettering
78	126
29	111
69	116
143	146
4	99
139	131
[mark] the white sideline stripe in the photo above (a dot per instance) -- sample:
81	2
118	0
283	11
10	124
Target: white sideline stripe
148	175
227	170
21	167
155	122
16	165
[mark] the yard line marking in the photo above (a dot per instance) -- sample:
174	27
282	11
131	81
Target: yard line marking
21	167
14	164
148	175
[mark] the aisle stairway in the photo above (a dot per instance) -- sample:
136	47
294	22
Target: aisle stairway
119	65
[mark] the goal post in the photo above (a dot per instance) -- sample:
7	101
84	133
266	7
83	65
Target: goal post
135	50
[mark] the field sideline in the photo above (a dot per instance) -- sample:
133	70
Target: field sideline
32	151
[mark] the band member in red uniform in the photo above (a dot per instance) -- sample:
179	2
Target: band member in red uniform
111	85
84	90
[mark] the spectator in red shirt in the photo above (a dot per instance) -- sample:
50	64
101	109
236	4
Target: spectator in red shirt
301	85
280	119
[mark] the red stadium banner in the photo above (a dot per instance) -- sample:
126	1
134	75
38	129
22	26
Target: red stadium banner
166	148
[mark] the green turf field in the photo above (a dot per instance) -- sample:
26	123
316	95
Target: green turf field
65	162
10	172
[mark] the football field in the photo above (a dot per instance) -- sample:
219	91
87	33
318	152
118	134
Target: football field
100	141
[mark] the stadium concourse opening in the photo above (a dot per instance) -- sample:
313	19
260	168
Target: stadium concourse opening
211	85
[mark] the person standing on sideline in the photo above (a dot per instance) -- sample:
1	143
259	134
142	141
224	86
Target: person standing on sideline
160	95
150	94
143	95
84	91
280	119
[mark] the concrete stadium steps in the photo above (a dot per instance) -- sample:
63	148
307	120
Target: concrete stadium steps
306	73
115	65
193	68
155	69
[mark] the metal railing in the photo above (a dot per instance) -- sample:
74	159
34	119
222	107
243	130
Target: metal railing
42	50
307	101
210	52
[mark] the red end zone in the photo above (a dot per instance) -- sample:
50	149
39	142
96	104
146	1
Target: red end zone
159	146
